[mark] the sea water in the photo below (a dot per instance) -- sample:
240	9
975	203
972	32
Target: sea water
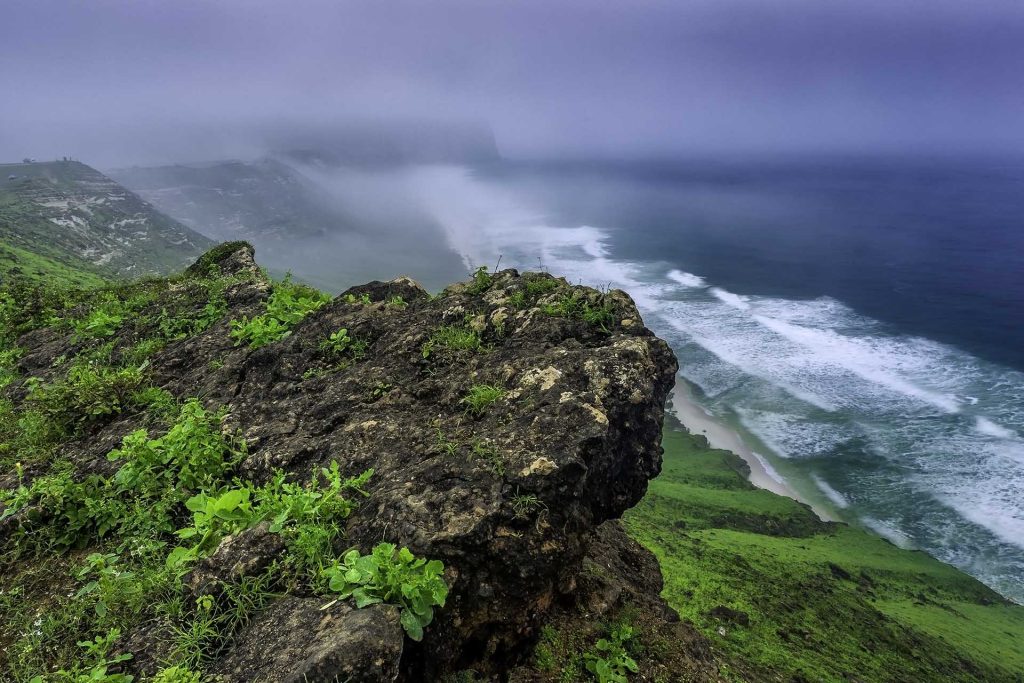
860	322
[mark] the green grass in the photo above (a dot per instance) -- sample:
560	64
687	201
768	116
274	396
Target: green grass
67	270
452	339
480	397
824	601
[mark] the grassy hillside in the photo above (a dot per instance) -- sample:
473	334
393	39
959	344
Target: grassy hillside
72	214
62	269
794	598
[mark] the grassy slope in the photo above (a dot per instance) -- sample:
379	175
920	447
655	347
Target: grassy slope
15	261
825	602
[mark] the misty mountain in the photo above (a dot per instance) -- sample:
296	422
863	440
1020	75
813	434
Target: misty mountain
331	223
69	213
263	201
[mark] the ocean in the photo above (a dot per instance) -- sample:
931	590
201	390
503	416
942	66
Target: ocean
859	322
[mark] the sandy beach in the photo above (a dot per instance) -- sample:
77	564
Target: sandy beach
719	435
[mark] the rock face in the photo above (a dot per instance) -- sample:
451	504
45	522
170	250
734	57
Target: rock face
510	495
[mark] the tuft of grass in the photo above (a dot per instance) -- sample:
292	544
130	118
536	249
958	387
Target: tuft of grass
525	504
448	446
452	339
481	397
575	306
488	454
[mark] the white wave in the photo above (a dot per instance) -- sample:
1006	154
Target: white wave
686	279
864	357
839	499
887	530
768	469
734	300
990	428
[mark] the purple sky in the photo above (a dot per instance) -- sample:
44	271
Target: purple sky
125	81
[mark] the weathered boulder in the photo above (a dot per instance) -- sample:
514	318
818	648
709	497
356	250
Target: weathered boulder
508	494
309	640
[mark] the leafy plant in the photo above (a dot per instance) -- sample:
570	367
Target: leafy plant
480	397
213	517
177	674
363	299
288	304
482	281
99	323
397	577
89	393
337	342
609	661
396	302
341	343
96	665
309	517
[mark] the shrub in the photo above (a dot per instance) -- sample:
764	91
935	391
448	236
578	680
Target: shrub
482	281
414	584
340	342
89	393
288	304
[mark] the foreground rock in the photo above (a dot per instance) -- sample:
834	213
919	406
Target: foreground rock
514	495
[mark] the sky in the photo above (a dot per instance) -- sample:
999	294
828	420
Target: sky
143	81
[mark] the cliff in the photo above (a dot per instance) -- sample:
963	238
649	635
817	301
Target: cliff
202	475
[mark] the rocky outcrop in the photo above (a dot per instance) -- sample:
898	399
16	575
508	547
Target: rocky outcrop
515	497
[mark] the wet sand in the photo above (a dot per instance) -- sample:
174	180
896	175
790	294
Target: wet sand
722	436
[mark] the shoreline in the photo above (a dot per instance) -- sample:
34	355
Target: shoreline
693	417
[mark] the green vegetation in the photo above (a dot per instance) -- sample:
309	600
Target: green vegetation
94	550
604	653
537	285
525	504
363	299
393	576
790	597
63	269
55	218
482	281
480	397
575	306
609	660
288	304
452	339
487	453
340	343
